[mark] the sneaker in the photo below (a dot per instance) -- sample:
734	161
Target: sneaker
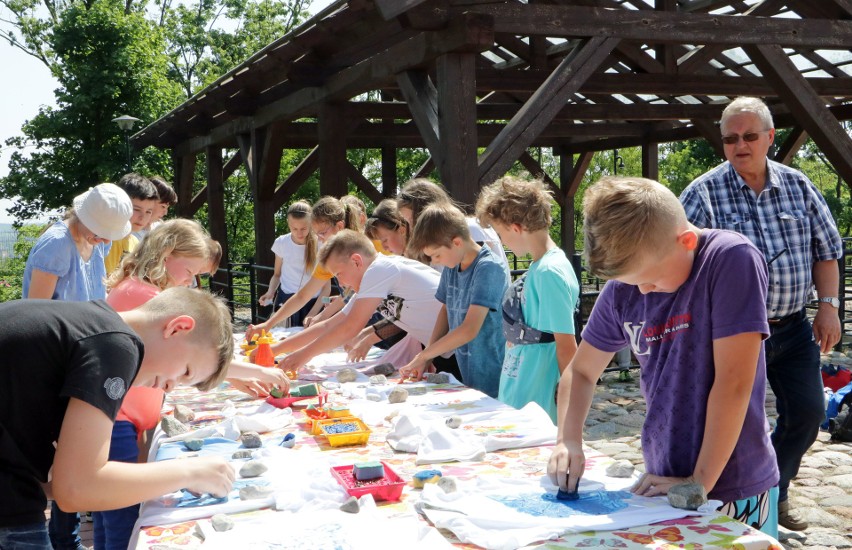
790	519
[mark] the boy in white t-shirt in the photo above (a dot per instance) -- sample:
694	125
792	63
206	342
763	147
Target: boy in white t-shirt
402	290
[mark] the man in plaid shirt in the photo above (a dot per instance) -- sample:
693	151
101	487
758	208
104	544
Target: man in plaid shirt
786	217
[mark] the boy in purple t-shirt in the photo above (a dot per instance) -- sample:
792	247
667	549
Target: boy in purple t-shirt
691	304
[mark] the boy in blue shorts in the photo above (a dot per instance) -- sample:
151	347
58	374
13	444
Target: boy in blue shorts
471	291
547	295
691	304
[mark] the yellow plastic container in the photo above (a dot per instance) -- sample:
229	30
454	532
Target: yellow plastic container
359	436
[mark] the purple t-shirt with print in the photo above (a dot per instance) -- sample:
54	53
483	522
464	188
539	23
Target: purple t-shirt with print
672	336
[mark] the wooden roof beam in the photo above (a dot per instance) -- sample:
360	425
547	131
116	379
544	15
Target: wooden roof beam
665	27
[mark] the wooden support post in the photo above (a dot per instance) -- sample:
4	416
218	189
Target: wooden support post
254	151
184	167
296	178
786	152
535	169
389	181
421	96
544	104
425	169
457	123
216	208
362	183
711	133
807	107
651	161
665	53
332	150
567	213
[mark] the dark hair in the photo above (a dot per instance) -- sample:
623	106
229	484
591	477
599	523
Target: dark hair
331	210
138	187
165	192
386	215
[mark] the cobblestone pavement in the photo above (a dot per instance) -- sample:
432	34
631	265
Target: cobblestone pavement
822	492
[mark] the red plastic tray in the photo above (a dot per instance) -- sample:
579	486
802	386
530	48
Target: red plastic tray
387	488
284	402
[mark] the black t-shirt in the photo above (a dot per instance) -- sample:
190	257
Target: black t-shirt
51	351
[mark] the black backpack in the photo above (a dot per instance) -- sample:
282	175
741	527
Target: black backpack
840	427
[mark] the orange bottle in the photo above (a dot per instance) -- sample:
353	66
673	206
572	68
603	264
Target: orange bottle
264	356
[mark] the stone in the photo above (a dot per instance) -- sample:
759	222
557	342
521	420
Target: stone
351	506
842	481
255	492
242	453
289	441
827	538
687	496
632	420
838	499
329	385
253	468
384	368
416	390
172	426
834	457
378	380
374	397
454	421
438	378
620	468
448	484
221	523
251	440
184	414
398	395
193	444
347	375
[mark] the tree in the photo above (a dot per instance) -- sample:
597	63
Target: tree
108	61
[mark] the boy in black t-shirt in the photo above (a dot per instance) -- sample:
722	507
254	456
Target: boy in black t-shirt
64	369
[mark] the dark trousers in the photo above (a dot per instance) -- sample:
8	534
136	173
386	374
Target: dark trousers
298	318
113	528
793	371
64	529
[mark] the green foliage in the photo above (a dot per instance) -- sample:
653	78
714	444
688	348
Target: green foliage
108	62
12	269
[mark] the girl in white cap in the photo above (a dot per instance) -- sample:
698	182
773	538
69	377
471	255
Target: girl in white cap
67	261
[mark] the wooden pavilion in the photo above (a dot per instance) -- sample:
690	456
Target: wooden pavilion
578	76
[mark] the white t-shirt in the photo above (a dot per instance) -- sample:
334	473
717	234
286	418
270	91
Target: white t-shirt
294	273
489	237
407	289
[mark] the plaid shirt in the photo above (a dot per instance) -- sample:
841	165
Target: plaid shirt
788	221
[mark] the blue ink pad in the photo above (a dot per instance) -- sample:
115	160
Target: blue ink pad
567	495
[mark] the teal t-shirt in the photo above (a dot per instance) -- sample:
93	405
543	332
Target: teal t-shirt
530	372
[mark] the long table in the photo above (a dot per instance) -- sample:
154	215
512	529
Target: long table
305	503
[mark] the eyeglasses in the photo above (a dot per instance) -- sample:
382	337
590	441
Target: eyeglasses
323	233
748	137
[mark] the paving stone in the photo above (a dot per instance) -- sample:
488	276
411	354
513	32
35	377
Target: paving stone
843	481
827	538
837	499
632	420
836	458
817	517
805	472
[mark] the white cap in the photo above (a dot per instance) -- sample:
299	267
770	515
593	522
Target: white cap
105	210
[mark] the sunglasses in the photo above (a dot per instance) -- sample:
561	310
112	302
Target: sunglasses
748	137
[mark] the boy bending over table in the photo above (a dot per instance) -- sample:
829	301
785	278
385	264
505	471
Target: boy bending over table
64	370
691	304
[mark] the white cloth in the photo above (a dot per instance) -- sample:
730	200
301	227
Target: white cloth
426	433
500	513
294	272
261	419
407	289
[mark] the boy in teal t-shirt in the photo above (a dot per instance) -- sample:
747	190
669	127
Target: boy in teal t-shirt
470	291
519	211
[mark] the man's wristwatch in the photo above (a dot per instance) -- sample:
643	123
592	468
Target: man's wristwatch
830	300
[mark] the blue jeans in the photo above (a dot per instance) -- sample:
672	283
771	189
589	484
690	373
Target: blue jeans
113	528
64	529
793	371
24	537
